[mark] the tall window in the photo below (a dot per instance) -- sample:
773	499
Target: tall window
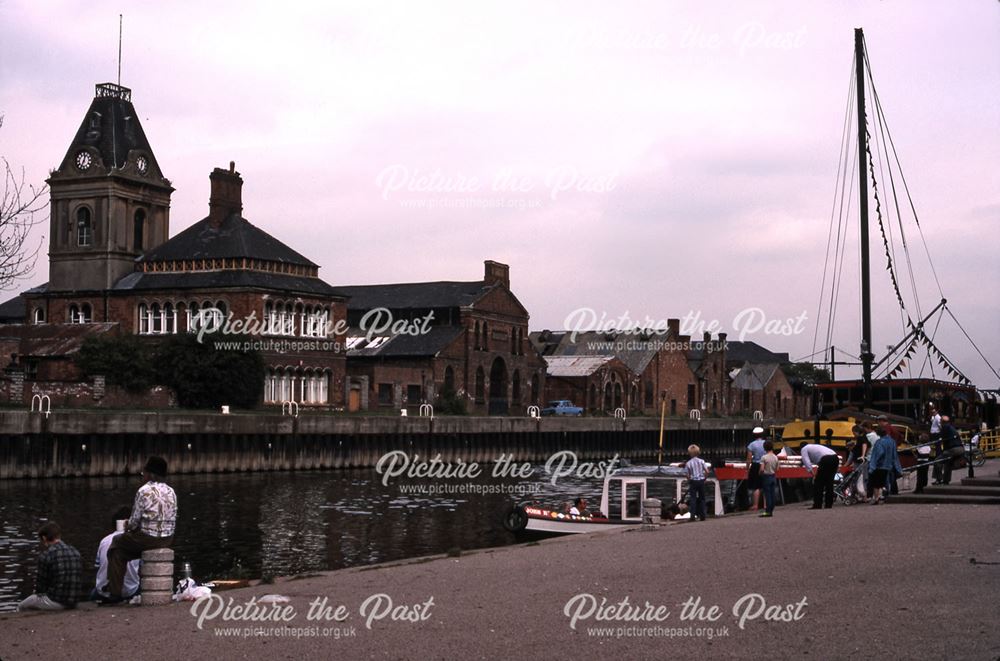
84	227
39	316
80	314
138	223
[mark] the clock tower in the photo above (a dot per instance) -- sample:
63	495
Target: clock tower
109	202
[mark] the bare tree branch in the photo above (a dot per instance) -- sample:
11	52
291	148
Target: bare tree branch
20	207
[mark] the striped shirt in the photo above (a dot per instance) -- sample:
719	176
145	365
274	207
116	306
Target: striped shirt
696	468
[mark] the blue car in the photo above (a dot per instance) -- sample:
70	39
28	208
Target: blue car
562	407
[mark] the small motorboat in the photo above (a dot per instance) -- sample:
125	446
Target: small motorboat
621	503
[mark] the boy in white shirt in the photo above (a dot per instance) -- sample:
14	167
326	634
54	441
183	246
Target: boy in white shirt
696	469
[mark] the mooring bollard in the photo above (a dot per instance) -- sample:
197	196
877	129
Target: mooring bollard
156	577
651	513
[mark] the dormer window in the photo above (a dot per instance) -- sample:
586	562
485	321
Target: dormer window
84	227
38	316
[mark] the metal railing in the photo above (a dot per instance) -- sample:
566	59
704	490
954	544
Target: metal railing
426	411
620	413
534	411
290	407
44	404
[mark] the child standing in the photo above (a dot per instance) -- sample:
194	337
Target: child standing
768	477
696	469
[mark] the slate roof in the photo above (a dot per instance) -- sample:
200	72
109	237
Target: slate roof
235	237
224	279
112	127
633	350
574	366
753	376
737	351
414	295
13	310
54	340
437	339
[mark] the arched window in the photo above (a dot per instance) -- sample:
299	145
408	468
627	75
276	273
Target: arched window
156	315
84	227
475	344
144	321
169	318
449	380
138	227
486	338
193	316
74	314
38	316
515	383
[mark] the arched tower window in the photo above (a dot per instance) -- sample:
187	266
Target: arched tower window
84	227
138	229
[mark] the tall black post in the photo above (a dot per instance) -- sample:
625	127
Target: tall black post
866	303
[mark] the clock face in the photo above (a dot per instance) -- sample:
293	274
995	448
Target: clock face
84	160
142	165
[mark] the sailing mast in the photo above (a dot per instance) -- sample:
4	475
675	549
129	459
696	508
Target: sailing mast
866	301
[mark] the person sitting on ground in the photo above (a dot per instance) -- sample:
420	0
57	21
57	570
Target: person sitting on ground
131	584
59	577
696	469
822	462
676	512
151	525
579	507
882	465
768	477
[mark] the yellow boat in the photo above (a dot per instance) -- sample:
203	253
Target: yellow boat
834	433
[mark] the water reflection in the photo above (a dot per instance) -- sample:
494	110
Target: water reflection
267	524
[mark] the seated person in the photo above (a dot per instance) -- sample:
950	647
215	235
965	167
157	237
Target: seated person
676	512
579	507
60	570
131	585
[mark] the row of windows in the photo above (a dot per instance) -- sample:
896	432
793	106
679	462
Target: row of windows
157	319
481	341
85	228
296	319
302	386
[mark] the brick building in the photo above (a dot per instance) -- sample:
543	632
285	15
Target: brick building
112	267
656	367
464	339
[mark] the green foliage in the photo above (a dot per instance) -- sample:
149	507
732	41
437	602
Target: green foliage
206	377
123	360
450	403
806	373
201	375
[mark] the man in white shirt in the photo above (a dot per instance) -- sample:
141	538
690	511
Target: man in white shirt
131	584
822	462
579	507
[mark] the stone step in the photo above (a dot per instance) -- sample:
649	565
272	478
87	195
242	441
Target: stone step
980	482
961	490
913	498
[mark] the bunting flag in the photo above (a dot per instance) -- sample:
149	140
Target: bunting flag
881	226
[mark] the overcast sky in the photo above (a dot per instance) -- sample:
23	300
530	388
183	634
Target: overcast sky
657	160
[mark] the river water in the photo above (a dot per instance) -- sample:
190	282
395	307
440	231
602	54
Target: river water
252	525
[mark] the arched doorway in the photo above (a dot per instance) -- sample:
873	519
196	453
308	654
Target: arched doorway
498	388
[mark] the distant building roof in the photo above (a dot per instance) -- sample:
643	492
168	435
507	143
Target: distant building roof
414	295
635	351
225	279
575	366
741	351
234	238
437	339
54	340
753	376
13	311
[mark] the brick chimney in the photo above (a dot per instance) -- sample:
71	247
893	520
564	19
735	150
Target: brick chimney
674	328
497	272
227	194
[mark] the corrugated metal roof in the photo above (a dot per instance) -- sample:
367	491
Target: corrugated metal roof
568	366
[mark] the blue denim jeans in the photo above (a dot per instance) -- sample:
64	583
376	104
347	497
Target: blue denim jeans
769	484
